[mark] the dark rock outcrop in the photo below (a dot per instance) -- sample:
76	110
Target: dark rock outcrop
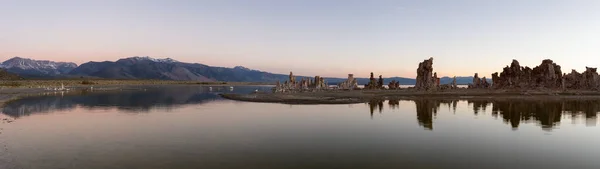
380	82
586	80
436	79
479	83
393	85
425	78
373	83
546	75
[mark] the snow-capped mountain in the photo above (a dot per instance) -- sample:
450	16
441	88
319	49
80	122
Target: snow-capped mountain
36	68
148	58
153	68
169	69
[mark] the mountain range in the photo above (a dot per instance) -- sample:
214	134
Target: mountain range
37	68
164	69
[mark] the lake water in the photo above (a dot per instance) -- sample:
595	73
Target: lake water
192	127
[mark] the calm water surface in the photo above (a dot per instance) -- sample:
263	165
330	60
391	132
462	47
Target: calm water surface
192	127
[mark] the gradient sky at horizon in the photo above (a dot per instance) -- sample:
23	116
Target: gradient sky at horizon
310	37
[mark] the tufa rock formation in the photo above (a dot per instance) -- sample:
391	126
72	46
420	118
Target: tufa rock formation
479	83
317	83
349	84
484	83
586	80
425	76
292	78
305	84
451	85
454	86
380	82
373	83
393	85
546	75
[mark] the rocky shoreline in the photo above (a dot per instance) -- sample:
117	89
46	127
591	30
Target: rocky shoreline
514	82
362	96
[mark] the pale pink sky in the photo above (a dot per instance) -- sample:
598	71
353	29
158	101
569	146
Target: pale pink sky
310	37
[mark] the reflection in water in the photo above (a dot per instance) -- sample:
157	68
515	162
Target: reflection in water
394	103
131	100
547	113
375	104
261	135
427	109
479	105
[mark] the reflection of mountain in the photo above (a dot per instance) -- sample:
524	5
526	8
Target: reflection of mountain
138	100
547	113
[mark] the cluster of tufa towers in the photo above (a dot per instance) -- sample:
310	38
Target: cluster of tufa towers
305	84
547	75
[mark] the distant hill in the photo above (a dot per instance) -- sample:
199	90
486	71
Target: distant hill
167	69
138	68
37	68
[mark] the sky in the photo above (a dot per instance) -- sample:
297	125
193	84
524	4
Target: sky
309	37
